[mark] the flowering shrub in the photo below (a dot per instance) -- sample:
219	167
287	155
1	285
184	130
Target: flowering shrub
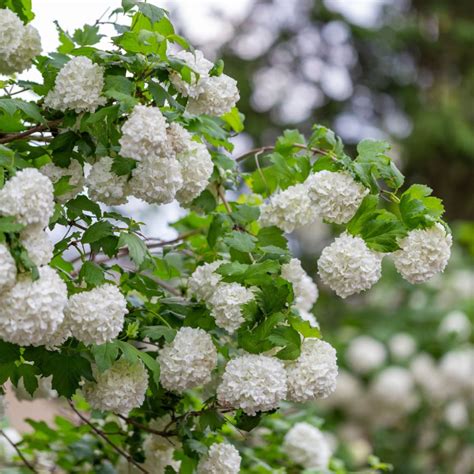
176	344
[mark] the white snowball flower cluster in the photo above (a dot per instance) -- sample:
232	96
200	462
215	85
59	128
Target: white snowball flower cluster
7	268
32	310
253	383
144	133
44	390
423	253
157	179
38	244
204	281
307	316
306	445
427	375
457	369
118	389
313	375
348	266
76	178
96	316
335	195
402	345
365	354
456	414
348	389
196	169
188	361
78	87
219	96
19	43
226	305
288	209
211	95
222	458
392	393
456	323
104	185
29	197
198	64
304	288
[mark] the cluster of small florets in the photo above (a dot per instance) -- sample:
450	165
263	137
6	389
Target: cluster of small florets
423	253
96	316
288	209
304	288
78	87
210	95
313	375
7	268
253	383
222	458
365	354
37	243
19	43
306	445
188	361
226	305
204	280
348	266
76	178
118	389
32	310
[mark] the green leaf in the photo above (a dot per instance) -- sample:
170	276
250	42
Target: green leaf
123	166
29	374
105	355
418	208
120	84
91	273
241	241
244	214
286	143
131	353
80	204
289	339
325	139
256	339
235	119
136	247
87	36
158	332
247	422
9	224
152	12
21	7
29	109
67	44
97	231
272	236
303	327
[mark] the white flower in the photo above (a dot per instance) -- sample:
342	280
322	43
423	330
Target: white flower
456	414
22	58
19	44
348	266
253	383
335	195
313	375
304	288
76	178
402	345
222	458
29	197
310	317
307	446
7	268
457	369
423	253
78	87
288	209
456	323
392	394
44	390
348	389
198	64
96	316
196	169
219	95
365	354
38	244
188	361
54	340
226	305
204	281
427	375
118	389
144	133
104	185
156	179
32	310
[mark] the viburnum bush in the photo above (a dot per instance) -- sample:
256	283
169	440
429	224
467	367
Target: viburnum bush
167	351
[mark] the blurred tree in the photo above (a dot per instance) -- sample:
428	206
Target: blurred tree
399	69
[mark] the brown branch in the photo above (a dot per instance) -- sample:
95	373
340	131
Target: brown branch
102	435
264	149
20	454
131	421
38	128
221	192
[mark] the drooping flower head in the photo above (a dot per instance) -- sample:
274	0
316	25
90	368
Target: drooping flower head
222	458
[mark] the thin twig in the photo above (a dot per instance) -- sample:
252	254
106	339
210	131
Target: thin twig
38	128
264	149
220	191
102	435
131	421
20	454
